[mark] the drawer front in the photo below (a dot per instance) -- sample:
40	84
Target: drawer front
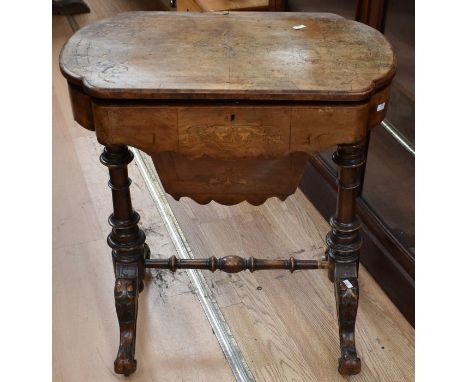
316	128
231	132
234	132
149	128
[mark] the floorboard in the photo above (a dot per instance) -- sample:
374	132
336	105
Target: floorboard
177	343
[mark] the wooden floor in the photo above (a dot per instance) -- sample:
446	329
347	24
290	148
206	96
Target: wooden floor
284	324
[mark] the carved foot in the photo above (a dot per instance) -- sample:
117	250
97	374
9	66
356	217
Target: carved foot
126	304
347	297
349	363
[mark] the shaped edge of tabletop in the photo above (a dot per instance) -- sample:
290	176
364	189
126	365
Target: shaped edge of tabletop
245	64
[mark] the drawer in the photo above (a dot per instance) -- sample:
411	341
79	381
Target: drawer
149	128
234	132
316	128
229	131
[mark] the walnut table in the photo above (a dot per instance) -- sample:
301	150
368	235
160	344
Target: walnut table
230	106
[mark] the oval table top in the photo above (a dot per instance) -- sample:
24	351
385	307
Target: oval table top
229	55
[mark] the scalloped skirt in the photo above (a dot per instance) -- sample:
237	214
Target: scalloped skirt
230	182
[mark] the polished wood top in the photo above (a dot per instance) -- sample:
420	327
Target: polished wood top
235	55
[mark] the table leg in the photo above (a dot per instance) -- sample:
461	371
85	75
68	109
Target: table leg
128	253
344	243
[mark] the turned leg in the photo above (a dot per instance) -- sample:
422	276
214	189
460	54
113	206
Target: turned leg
344	243
128	253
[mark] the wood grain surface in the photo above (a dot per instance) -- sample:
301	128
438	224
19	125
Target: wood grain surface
226	131
222	149
285	325
230	181
238	55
